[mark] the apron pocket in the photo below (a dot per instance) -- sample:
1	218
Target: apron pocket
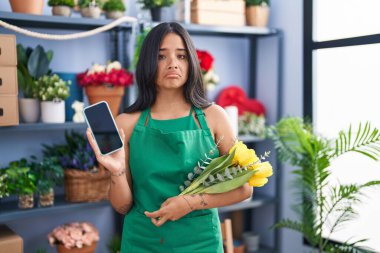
194	234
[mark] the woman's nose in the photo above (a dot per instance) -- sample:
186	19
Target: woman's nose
173	64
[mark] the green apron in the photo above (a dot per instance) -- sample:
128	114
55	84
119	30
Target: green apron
162	153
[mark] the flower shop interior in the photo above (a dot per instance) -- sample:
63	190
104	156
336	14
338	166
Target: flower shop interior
297	82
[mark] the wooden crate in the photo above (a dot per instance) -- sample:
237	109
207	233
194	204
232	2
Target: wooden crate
218	12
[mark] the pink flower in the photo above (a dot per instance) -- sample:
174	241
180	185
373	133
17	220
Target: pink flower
74	235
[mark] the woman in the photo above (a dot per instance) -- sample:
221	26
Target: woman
166	131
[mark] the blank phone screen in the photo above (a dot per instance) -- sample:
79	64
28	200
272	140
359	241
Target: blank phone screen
103	127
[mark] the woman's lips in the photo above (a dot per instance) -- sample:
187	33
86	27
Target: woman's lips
172	75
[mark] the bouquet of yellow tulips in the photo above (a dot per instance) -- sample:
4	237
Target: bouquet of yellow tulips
228	172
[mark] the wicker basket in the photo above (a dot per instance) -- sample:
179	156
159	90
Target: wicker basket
83	186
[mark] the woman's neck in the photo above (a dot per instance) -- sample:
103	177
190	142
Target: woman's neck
170	104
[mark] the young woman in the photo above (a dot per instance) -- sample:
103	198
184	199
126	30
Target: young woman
166	132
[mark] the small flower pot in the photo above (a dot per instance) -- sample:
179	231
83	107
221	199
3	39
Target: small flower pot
156	14
46	199
30	7
257	15
251	241
114	14
61	10
29	110
85	249
25	201
53	111
91	12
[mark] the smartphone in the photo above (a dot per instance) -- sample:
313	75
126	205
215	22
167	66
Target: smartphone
103	127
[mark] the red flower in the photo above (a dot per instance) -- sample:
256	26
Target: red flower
116	77
205	59
235	95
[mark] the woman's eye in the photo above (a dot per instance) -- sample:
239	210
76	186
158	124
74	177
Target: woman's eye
182	56
161	57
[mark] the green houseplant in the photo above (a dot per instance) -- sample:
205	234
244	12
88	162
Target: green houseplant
90	8
319	211
52	92
114	8
61	7
31	65
257	12
48	174
21	181
155	7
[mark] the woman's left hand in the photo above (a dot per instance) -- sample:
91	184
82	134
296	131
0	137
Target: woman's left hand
172	209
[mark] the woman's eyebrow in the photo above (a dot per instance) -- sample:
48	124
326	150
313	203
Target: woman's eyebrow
178	49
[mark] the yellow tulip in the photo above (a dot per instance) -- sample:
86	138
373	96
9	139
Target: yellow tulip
257	181
243	155
262	169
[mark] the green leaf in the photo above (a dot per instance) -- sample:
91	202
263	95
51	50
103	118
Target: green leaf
38	63
215	165
229	185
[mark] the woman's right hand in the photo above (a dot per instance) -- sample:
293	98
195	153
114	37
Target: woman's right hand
114	162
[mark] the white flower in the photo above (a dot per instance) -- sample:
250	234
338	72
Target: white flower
215	78
96	68
113	65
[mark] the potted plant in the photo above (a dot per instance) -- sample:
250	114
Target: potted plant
31	65
21	181
106	83
323	214
83	180
52	92
61	7
90	8
257	12
155	7
79	237
114	8
31	7
48	174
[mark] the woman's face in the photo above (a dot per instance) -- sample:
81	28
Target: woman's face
173	65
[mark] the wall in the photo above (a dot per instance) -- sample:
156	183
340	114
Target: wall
289	18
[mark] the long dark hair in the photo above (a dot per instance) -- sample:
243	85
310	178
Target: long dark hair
146	69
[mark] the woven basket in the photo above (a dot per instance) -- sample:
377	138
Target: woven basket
83	186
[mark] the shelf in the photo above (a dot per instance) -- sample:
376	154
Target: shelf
249	138
9	210
60	22
263	249
44	127
227	30
255	202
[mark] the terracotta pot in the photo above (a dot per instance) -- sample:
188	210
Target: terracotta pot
257	15
111	94
85	249
31	7
61	10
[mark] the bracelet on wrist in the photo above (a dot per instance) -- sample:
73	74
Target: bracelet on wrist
118	174
191	208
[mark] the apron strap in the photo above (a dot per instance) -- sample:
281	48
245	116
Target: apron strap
202	120
143	117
